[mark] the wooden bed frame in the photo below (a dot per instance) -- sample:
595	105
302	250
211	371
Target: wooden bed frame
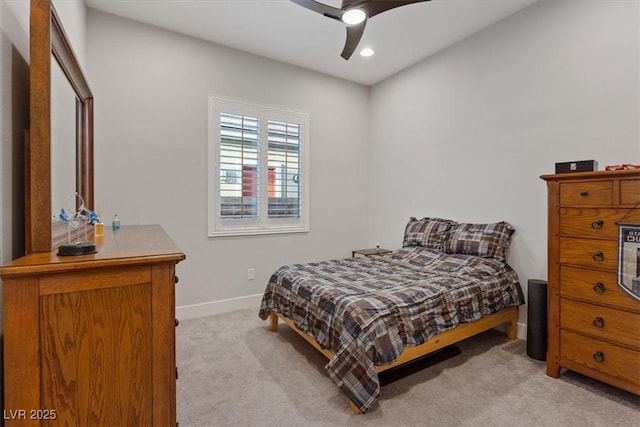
507	316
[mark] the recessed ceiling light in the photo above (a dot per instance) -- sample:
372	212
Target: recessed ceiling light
367	51
353	16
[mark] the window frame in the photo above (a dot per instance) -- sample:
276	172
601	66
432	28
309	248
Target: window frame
262	224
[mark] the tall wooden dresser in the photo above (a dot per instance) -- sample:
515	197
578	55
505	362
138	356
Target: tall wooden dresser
593	324
90	339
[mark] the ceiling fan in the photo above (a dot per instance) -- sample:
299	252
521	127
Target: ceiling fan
354	13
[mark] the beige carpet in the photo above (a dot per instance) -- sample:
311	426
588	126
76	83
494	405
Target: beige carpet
235	372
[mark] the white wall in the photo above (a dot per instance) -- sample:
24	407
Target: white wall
73	14
151	90
14	115
466	133
483	120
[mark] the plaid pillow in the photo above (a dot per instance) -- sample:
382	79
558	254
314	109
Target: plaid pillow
427	232
483	240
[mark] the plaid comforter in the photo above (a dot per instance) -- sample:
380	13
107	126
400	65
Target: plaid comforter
366	310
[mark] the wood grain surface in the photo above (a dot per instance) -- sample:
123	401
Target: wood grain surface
97	356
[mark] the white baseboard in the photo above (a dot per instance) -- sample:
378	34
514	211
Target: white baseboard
522	331
218	307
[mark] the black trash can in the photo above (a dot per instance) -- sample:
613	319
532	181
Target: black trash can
537	319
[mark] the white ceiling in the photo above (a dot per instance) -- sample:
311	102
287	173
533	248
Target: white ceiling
287	32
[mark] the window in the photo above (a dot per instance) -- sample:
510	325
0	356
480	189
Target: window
258	169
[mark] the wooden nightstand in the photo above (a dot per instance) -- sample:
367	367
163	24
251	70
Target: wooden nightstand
369	252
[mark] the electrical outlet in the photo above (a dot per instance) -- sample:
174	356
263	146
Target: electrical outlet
251	274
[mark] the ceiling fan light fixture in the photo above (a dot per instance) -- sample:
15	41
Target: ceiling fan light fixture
367	51
354	16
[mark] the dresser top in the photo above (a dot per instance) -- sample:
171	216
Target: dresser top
132	244
592	175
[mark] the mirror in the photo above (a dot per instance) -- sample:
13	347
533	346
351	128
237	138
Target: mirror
53	65
63	142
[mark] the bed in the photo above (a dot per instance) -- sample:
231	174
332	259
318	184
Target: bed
448	282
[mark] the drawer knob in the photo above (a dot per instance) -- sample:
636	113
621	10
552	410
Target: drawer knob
176	279
598	356
597	225
598	322
598	288
598	256
584	193
177	322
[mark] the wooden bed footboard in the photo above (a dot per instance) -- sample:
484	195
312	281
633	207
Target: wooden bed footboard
507	316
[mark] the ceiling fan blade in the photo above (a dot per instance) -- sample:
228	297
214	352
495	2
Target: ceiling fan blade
321	8
354	34
349	4
374	7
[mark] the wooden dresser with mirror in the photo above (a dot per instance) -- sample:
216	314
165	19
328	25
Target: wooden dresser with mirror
593	322
89	339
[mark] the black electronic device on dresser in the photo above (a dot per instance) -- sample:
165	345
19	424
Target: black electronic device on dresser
577	166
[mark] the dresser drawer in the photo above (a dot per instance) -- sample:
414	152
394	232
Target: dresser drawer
586	193
596	286
589	253
610	359
601	322
630	191
594	223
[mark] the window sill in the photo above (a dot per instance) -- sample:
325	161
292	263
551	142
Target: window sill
258	232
